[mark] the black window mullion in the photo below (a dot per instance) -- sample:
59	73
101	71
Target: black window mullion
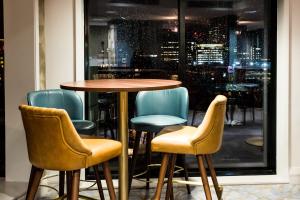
182	49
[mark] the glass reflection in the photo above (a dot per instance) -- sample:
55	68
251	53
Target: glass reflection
228	48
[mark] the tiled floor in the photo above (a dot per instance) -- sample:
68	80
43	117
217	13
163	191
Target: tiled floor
240	192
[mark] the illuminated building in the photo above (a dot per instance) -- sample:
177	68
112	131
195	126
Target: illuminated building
210	54
169	51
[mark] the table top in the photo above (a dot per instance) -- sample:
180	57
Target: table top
119	85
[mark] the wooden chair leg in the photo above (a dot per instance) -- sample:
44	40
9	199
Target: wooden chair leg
134	157
169	193
148	157
213	175
109	182
34	181
204	177
75	185
162	173
98	181
69	184
61	189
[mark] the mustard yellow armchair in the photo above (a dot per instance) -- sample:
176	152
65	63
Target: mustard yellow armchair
54	144
201	142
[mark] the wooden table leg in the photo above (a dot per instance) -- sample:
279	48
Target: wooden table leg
123	159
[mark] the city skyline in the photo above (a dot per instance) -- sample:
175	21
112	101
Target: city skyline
220	42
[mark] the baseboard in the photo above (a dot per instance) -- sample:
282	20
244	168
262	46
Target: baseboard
295	175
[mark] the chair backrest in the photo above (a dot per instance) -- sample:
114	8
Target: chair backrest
57	98
209	134
52	140
173	102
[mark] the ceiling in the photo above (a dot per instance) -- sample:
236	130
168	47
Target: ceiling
248	11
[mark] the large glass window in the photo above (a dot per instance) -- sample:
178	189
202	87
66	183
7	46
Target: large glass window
214	47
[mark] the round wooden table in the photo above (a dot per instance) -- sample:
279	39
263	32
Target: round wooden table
122	86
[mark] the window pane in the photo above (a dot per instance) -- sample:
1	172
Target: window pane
129	39
228	52
136	34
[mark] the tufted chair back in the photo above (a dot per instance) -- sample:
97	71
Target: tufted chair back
173	102
209	134
52	140
58	98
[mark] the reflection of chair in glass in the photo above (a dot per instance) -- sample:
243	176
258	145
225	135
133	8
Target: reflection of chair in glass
107	116
154	111
64	99
246	100
54	144
201	142
242	95
249	98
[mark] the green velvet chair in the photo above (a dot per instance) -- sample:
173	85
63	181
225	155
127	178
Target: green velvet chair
154	111
67	100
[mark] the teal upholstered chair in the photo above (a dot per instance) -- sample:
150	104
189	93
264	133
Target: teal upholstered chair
63	99
154	111
72	103
157	109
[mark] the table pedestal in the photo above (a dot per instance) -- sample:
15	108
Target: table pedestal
123	136
123	86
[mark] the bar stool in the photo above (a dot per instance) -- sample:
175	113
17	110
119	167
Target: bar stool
154	111
54	144
201	142
107	108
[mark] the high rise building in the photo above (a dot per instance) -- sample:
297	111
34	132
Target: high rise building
210	54
170	51
251	47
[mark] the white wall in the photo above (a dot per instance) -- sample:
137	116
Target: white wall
64	42
22	64
283	93
295	90
79	39
20	61
59	42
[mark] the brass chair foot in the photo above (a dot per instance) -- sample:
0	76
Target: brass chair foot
220	192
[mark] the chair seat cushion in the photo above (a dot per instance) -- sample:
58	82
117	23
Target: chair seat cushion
85	127
102	150
175	139
154	123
